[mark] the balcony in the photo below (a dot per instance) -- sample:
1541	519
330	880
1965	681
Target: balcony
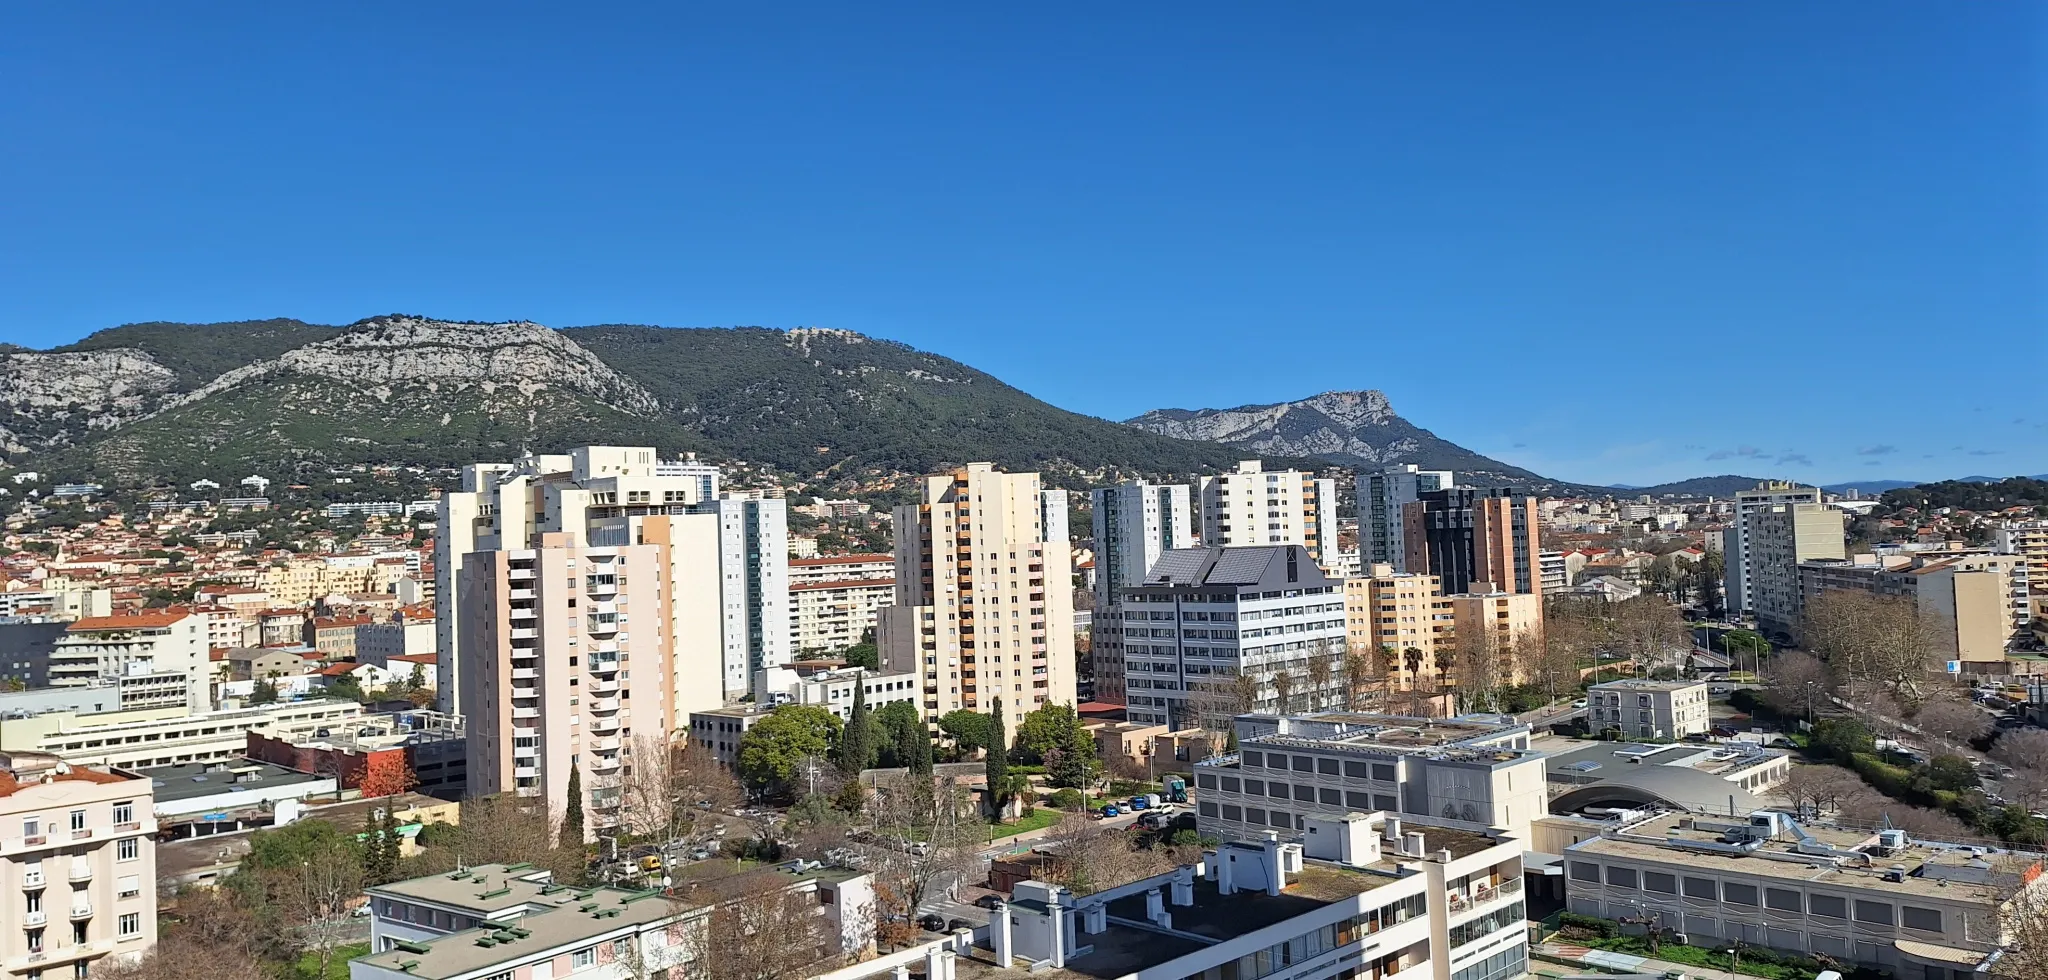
604	685
526	772
81	911
81	871
525	634
523	594
520	574
604	704
604	745
34	918
604	723
525	674
604	763
525	712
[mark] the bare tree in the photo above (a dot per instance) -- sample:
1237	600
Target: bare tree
1869	810
1323	660
937	835
1882	641
1649	631
1482	666
206	936
1087	858
1798	682
1952	721
2023	748
2023	920
672	790
1359	676
1216	702
1548	664
315	898
767	931
1815	789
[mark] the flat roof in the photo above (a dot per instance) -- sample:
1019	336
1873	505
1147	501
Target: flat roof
1466	736
1932	870
1645	684
190	780
574	916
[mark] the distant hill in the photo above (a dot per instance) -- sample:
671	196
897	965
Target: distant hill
1350	428
157	402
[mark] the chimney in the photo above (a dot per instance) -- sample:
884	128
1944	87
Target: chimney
1276	880
1413	848
1393	831
999	933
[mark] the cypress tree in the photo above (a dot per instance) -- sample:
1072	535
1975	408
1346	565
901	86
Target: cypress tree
857	743
374	871
572	814
916	750
996	768
392	855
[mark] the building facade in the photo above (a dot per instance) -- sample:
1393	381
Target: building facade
1735	551
1780	537
833	600
155	643
1381	495
1214	632
984	601
1464	535
1402	611
1649	709
1253	506
77	866
1135	523
1980	601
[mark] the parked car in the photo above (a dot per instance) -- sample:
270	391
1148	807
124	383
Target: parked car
953	925
932	923
1580	703
988	902
1110	810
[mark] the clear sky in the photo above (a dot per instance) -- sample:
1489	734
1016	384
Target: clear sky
1613	242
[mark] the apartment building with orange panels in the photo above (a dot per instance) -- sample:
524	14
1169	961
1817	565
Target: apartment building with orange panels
1401	611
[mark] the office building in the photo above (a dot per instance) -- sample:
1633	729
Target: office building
1404	612
1135	523
1643	708
556	671
1780	537
158	643
143	737
833	599
1252	506
1979	601
1735	552
1880	899
1474	772
984	597
1381	495
1464	535
1214	632
78	863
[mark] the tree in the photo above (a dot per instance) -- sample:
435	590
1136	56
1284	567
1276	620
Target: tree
902	730
1843	737
1945	772
572	812
2023	919
1283	692
912	808
206	936
379	865
1797	682
857	743
2023	748
863	654
968	729
1952	721
671	790
995	768
1360	673
314	899
1812	790
1321	672
264	692
768	932
1085	858
1648	631
1051	727
1707	575
771	751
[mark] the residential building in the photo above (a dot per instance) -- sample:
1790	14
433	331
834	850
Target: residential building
2029	540
1735	538
137	738
1464	535
1980	600
78	858
704	477
1135	523
1645	708
546	662
1880	899
1361	897
108	647
1252	506
833	599
1474	772
833	689
403	636
1403	611
499	920
26	643
1207	619
719	730
1381	495
984	605
1553	572
1511	619
1780	537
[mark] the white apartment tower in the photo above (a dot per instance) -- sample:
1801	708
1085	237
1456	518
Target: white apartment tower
1134	524
1380	496
1735	549
984	605
753	573
1252	506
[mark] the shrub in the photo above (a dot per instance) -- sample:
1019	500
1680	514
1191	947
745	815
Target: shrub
1066	799
1573	920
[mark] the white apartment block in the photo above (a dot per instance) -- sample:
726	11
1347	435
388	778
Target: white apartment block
558	670
833	599
833	690
1649	709
1474	772
1735	549
1135	523
753	582
148	737
984	601
2029	540
1206	616
1251	506
1921	910
1381	539
108	647
77	867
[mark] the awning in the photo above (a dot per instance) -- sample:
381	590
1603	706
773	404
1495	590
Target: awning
1937	953
1543	863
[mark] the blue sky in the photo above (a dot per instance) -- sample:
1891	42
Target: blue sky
1612	242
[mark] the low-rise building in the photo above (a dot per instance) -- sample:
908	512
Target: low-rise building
199	799
1648	709
719	729
158	642
78	859
137	738
1474	772
1721	777
833	689
1879	899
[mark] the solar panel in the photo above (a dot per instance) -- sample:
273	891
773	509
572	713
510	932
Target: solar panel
1241	566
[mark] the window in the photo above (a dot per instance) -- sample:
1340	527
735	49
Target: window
1621	877
77	820
1585	871
1277	790
1657	881
1699	888
1735	894
1828	906
1926	920
1357	801
581	958
1206	809
124	813
1304	763
1782	899
1383	773
1254	787
1355	770
1230	784
127	849
1205	781
1232	812
1327	767
1878	913
31	828
129	886
1254	759
1255	815
131	925
1306	794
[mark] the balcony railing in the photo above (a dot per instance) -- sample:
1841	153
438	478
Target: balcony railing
81	872
81	911
34	918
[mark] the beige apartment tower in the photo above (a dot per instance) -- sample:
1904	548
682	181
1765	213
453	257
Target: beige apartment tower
984	603
1780	537
1402	612
77	867
1253	506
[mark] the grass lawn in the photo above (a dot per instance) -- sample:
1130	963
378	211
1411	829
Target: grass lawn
1039	819
1699	956
307	967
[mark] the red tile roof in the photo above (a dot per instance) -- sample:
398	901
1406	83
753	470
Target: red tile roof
138	621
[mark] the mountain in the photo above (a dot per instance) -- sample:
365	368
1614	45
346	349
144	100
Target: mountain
1352	428
162	401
